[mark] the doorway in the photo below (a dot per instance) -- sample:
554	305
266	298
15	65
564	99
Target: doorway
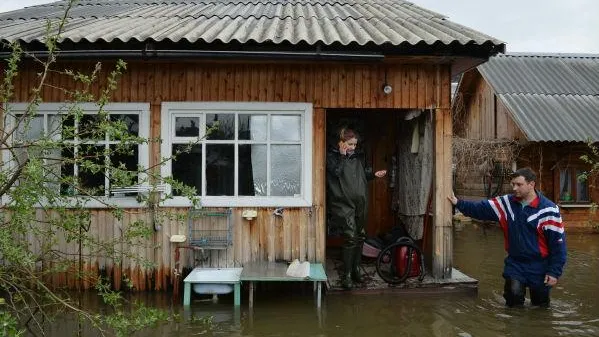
377	133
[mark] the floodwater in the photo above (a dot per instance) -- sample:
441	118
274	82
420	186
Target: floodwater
478	253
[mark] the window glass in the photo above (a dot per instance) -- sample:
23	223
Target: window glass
220	169
187	126
187	166
582	188
252	127
32	130
129	122
285	128
252	170
222	126
91	165
565	185
285	170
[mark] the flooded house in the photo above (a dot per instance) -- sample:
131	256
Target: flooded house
545	105
276	79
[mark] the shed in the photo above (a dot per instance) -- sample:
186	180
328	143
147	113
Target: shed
549	105
280	77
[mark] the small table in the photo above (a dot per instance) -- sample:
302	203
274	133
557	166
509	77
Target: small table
277	272
213	276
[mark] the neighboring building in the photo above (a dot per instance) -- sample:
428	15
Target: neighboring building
279	76
549	103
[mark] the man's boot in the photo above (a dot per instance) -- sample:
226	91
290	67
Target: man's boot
356	274
348	258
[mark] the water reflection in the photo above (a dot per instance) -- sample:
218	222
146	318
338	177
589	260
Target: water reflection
478	253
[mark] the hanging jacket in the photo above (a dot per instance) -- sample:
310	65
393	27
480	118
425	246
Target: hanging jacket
532	233
347	181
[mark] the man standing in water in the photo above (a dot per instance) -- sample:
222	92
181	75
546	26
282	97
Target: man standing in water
534	238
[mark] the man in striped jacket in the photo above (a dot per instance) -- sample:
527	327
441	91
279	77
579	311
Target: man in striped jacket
534	238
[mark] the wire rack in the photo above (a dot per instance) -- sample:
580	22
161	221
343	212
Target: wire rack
210	229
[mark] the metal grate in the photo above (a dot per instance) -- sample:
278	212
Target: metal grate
210	229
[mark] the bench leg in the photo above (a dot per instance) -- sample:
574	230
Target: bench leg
237	294
319	295
187	294
251	300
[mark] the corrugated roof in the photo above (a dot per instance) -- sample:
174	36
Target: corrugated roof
362	22
552	97
549	74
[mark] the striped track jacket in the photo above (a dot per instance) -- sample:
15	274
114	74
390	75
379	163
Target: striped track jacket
532	233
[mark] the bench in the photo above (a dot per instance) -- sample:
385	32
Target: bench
277	272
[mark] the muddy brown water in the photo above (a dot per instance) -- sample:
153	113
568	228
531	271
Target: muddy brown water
478	253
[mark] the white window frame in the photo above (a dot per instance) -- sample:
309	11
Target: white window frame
200	109
142	109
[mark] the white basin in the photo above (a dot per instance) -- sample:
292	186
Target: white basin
213	280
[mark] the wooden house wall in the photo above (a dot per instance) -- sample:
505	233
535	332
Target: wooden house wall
544	160
300	233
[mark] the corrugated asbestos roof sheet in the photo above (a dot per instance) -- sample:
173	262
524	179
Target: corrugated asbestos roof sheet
552	97
362	22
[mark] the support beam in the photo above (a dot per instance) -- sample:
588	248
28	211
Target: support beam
443	184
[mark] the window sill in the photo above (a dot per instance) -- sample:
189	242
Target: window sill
238	202
100	202
575	205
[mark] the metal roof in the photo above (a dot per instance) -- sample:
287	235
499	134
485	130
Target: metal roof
551	97
345	22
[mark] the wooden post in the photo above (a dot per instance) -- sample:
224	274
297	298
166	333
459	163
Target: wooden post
443	235
318	182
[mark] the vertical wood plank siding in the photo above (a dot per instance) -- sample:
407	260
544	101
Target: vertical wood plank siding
300	233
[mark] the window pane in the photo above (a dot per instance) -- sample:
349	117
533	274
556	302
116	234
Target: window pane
285	168
187	167
226	126
130	122
187	126
91	166
54	164
565	185
90	127
252	170
285	128
582	188
54	125
67	171
68	127
252	127
124	166
220	169
32	129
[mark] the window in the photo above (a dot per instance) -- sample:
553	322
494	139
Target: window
83	138
569	188
255	154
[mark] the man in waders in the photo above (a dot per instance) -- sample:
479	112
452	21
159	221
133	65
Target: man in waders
534	238
347	196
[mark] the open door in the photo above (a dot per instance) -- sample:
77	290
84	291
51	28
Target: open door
377	130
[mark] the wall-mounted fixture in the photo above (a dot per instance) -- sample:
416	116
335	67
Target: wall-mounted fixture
178	238
249	214
278	211
387	88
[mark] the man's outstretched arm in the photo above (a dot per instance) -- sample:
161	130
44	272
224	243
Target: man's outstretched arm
491	210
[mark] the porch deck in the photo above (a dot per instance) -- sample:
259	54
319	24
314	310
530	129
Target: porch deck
459	282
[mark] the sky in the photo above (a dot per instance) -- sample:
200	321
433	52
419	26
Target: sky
548	26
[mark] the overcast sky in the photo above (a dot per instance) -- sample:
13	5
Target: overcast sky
554	26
